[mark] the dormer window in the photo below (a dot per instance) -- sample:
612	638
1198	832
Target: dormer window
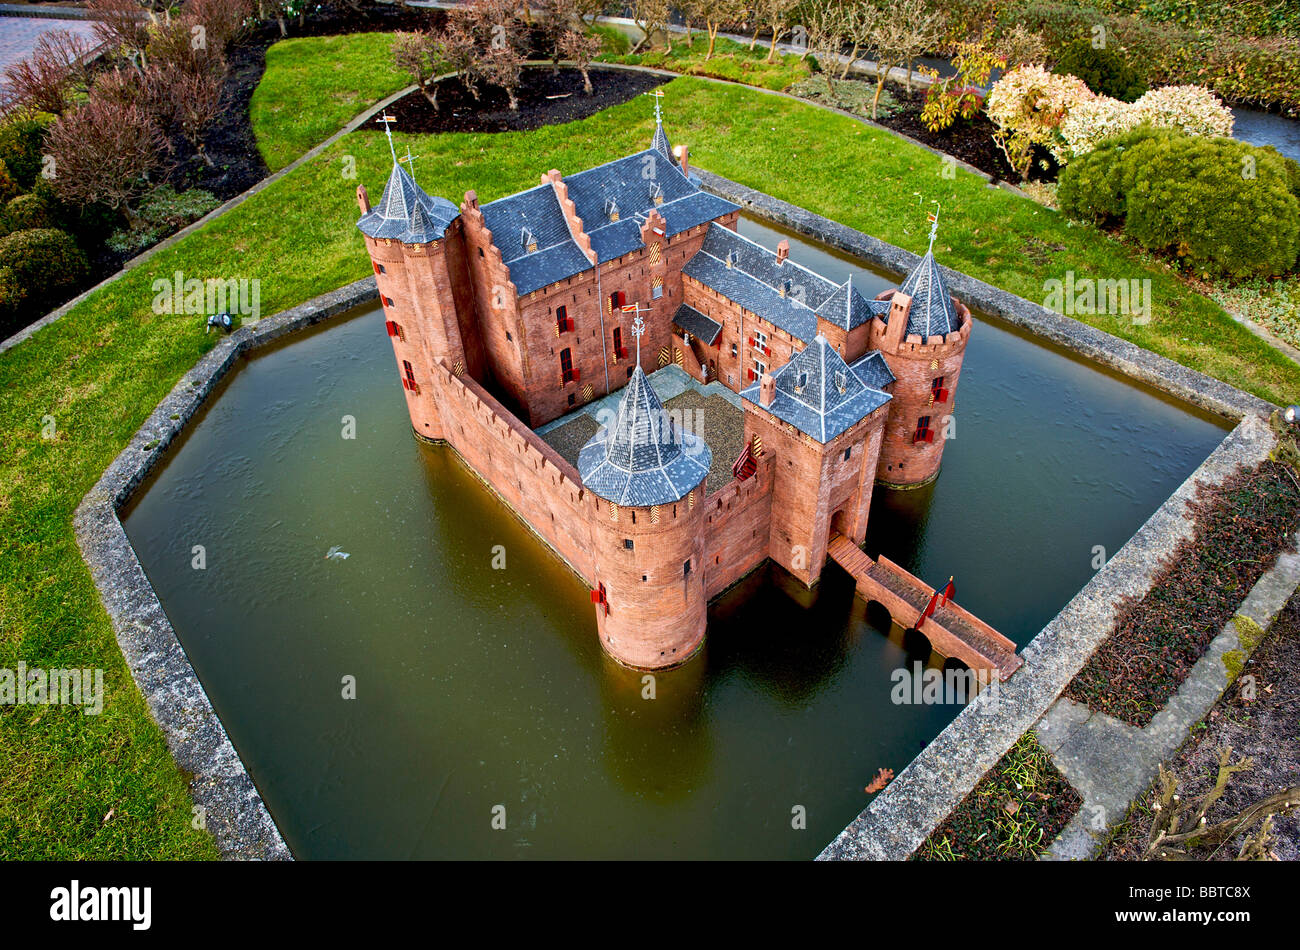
731	258
801	381
785	287
527	241
841	381
656	192
611	209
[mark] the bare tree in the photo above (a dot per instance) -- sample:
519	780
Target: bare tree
460	51
827	27
198	103
774	16
581	48
717	14
46	80
103	153
503	66
424	56
651	16
122	25
921	30
223	21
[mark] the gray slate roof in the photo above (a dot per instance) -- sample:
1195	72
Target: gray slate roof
809	396
848	309
661	144
406	213
538	210
932	313
629	184
755	279
642	458
699	325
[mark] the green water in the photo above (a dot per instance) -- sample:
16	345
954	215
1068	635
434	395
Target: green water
478	687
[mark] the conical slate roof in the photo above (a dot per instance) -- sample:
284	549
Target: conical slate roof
661	144
848	309
643	458
406	213
818	393
932	313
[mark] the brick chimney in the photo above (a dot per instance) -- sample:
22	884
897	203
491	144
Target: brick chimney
782	251
683	155
766	389
900	305
363	199
471	199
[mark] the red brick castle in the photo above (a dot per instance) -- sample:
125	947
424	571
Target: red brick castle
507	315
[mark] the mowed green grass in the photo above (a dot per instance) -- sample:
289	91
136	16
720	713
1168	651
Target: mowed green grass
100	370
732	61
314	86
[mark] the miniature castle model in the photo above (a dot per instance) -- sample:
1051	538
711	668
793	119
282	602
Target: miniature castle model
507	315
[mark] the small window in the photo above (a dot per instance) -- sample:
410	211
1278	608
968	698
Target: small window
379	268
686	568
923	431
386	301
573	399
629	372
563	322
508	336
408	377
656	291
627	544
480	252
620	352
848	452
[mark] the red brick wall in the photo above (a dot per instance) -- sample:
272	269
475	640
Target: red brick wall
737	528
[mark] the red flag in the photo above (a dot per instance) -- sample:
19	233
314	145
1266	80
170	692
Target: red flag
948	592
928	611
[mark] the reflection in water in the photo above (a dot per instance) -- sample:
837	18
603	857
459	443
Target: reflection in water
482	689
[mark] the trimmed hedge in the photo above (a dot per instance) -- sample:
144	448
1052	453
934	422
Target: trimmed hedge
1106	71
27	212
1224	207
38	265
1243	69
22	144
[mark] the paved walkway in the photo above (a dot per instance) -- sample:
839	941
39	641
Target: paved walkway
18	34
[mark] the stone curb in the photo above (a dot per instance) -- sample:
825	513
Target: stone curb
234	811
901	817
1111	762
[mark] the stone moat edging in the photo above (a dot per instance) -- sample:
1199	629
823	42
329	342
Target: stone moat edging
901	816
233	810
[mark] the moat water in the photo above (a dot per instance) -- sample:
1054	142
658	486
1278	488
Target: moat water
478	687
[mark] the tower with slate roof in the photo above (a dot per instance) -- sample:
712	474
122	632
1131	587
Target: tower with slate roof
648	476
418	256
824	419
923	335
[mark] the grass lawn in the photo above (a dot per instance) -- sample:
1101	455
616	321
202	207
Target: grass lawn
731	60
313	86
100	370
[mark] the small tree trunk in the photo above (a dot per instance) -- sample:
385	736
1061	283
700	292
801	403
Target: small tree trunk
882	72
284	30
430	90
514	102
908	81
771	52
586	81
713	40
753	40
853	55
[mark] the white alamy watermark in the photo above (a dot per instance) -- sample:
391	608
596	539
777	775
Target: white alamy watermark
1086	295
927	686
56	687
75	902
210	296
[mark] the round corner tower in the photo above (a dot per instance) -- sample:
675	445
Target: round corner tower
648	478
417	254
923	337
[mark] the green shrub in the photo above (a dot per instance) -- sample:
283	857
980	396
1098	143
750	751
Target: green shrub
8	187
1091	188
27	212
44	262
1106	70
1223	207
162	211
12	296
22	143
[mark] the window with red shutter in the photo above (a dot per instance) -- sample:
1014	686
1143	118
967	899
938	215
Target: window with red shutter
408	380
394	329
923	432
567	373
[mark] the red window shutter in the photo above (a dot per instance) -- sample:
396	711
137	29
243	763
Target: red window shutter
752	374
929	435
576	374
392	328
751	341
379	268
595	595
767	351
942	396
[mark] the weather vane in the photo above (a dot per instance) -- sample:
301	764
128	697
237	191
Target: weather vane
659	98
934	224
388	120
410	162
638	325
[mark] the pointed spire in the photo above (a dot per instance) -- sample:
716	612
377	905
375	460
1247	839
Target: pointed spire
660	141
388	121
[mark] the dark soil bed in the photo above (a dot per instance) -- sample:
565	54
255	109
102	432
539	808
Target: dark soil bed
1014	813
1265	729
546	97
971	141
1241	527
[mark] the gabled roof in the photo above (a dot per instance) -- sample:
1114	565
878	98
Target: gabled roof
632	185
848	309
818	393
755	280
701	326
406	213
538	211
642	458
932	312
